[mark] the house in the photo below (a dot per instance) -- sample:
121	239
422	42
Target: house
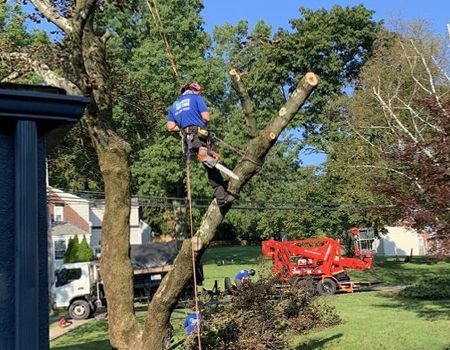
72	215
400	240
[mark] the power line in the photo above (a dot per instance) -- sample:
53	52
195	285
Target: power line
96	198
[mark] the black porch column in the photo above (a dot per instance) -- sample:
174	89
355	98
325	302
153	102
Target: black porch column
27	115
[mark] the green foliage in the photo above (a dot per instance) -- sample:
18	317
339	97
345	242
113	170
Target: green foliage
435	288
238	324
71	253
14	37
78	251
84	252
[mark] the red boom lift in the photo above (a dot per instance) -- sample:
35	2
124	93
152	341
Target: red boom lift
318	259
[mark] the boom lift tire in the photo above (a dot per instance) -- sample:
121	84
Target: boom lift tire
327	286
304	283
80	310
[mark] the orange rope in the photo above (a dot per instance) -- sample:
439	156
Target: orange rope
197	309
155	14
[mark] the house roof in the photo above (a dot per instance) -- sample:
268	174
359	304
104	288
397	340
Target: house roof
55	195
66	228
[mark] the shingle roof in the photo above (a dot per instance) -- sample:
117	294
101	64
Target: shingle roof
66	228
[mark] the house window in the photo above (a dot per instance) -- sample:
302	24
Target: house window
59	213
60	249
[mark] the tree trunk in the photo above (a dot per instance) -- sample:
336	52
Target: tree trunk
156	327
113	153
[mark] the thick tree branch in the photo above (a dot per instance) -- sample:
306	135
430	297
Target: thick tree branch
12	77
48	10
246	102
44	71
173	283
83	10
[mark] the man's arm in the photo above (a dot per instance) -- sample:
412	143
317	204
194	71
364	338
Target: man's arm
172	126
203	109
206	117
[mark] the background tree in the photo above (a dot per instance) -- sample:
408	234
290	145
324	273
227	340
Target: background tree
397	121
85	252
78	251
72	248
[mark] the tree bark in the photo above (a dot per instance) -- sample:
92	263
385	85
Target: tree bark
172	285
113	153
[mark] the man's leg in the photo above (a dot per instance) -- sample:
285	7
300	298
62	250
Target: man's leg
216	181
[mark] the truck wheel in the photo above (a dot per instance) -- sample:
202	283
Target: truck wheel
326	286
80	310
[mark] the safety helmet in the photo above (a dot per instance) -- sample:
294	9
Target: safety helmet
193	86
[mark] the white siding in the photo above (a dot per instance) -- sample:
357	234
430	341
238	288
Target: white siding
96	215
399	241
78	204
138	232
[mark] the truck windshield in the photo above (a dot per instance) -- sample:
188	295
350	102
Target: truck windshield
65	276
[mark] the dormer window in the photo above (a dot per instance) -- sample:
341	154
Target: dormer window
58	215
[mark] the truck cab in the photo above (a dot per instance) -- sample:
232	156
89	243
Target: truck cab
77	287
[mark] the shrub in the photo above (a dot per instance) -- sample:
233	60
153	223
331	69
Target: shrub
78	252
260	316
434	288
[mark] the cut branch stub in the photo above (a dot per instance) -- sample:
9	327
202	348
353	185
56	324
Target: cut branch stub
235	74
311	79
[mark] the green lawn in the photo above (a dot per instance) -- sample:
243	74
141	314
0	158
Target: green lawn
371	320
378	320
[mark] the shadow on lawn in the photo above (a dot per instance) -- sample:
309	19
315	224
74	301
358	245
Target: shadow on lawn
428	309
317	343
93	345
391	272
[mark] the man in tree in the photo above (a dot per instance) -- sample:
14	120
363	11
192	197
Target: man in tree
190	116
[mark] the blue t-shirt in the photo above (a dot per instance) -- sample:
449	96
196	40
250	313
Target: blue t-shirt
190	323
186	110
242	275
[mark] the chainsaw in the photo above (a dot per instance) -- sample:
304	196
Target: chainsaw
211	159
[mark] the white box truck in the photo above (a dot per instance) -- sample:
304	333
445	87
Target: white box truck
79	288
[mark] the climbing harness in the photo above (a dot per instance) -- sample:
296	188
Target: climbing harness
201	140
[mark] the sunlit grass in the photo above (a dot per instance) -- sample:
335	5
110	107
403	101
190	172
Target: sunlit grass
371	320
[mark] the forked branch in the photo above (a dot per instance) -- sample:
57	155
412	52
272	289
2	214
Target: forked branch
246	102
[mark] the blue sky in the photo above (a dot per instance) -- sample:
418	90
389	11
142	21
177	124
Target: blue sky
277	13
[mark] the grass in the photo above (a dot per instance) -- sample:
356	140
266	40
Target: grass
379	320
93	335
389	271
235	259
371	320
